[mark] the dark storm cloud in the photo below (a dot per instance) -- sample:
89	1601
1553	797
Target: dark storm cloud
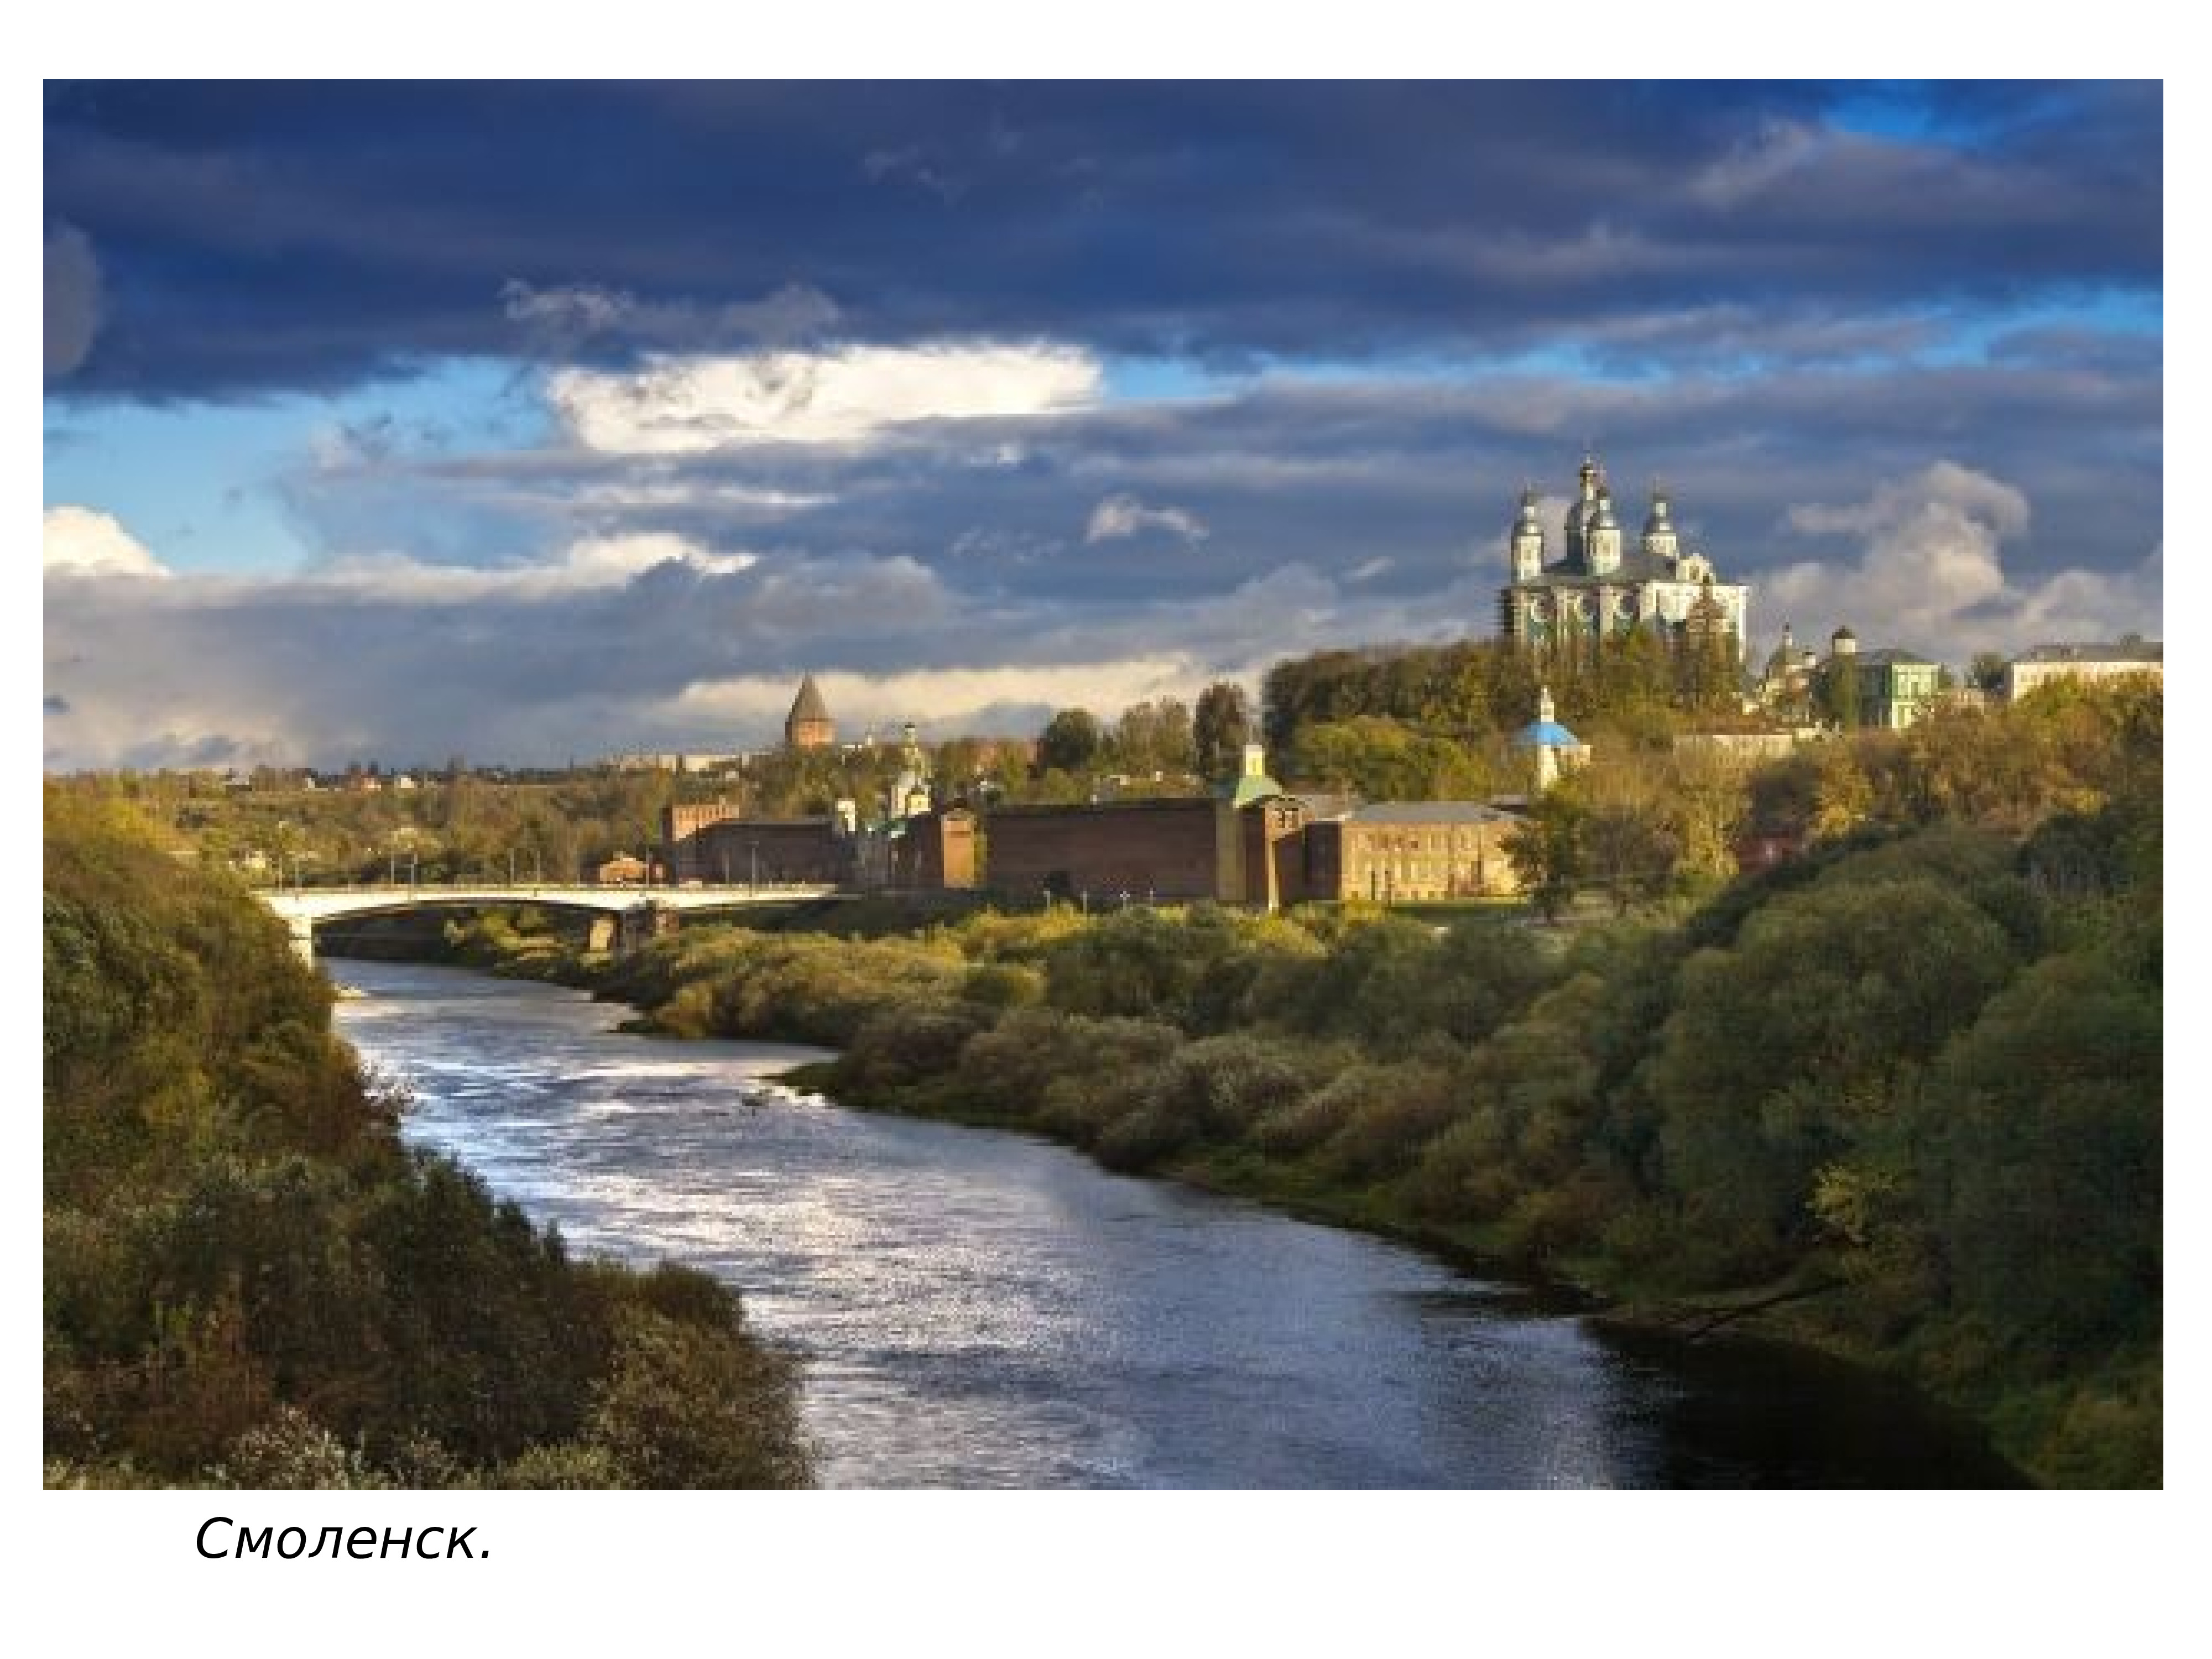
1868	337
309	236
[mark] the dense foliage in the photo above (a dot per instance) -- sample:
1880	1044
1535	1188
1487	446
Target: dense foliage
1632	690
250	1280
1904	1091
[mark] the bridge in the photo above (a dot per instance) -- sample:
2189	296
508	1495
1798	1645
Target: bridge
631	914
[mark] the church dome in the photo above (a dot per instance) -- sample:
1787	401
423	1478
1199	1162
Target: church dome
1658	524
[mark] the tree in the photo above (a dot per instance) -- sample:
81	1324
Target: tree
1786	1051
1706	657
1706	799
1220	729
1839	691
1384	760
1842	796
1154	738
1548	851
2044	1174
1987	671
1628	849
1632	683
1070	743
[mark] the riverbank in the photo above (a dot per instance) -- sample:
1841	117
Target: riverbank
1590	1114
977	1308
250	1280
1764	1316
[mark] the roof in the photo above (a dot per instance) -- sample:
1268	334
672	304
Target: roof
1427	812
2119	651
1890	657
1320	804
1545	734
808	704
1100	808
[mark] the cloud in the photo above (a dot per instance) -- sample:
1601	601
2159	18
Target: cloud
1001	701
80	542
683	406
620	558
1931	576
908	165
392	657
1119	517
73	300
565	317
594	562
271	239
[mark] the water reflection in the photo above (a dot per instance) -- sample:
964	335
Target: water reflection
979	1309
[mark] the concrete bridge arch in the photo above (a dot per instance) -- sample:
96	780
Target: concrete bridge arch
636	913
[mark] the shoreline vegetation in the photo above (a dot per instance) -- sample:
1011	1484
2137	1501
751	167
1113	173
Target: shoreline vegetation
1897	1100
250	1280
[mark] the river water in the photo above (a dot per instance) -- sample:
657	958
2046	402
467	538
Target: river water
980	1309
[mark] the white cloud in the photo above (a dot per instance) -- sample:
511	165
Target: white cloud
1368	570
1930	574
686	406
80	542
629	494
73	298
1118	517
948	700
593	562
617	558
409	661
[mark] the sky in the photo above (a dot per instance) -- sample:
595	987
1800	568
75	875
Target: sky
540	421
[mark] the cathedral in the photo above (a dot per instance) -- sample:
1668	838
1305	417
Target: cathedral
1596	587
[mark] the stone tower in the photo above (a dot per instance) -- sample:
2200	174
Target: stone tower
1603	536
1527	539
808	725
1659	541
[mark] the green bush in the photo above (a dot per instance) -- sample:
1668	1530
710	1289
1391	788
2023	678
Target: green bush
1394	1112
249	1279
690	1406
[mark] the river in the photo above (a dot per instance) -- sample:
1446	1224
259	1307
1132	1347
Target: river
978	1309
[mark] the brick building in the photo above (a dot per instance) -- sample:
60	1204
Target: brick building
936	850
1159	849
680	830
1411	850
711	843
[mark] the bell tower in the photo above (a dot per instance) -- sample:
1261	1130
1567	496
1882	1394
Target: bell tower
1526	544
1604	537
